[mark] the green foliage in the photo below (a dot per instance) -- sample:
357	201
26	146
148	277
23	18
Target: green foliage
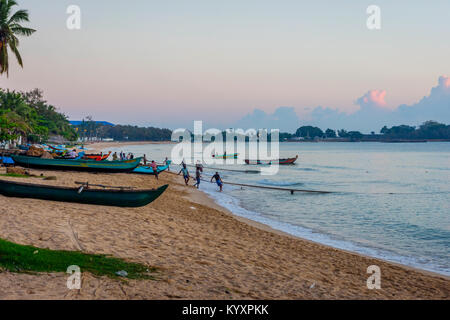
309	132
342	133
355	135
10	29
330	133
89	128
285	136
26	114
428	130
19	258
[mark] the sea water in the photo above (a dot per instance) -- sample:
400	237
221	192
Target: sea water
389	200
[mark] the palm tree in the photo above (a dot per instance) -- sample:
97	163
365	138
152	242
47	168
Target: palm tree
10	28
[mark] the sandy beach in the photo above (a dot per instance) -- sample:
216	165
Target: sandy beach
201	250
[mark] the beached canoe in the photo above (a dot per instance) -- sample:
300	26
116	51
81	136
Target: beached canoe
105	197
149	170
77	165
279	161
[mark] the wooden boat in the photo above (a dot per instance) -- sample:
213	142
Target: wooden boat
97	157
77	165
279	161
226	156
105	197
149	170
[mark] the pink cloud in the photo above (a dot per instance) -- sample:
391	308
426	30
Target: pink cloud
375	98
444	82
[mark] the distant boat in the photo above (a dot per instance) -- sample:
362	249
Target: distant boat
106	197
149	170
77	165
284	161
226	156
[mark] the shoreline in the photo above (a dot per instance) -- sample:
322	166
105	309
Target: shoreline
203	250
209	201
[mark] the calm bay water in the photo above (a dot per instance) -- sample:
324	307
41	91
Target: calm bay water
391	201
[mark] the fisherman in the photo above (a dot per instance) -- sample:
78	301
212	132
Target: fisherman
73	154
115	156
155	169
218	180
145	160
167	163
198	176
185	172
199	166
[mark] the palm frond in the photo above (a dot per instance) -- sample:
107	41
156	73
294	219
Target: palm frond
13	47
9	5
22	31
19	16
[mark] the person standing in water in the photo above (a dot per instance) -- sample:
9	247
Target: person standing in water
155	168
167	163
198	177
218	180
185	172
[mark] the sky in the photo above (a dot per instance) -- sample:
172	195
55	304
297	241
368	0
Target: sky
250	62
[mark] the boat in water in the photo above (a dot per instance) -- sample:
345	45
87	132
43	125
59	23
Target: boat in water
226	156
76	164
119	197
284	161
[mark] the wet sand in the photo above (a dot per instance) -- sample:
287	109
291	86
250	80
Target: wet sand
201	249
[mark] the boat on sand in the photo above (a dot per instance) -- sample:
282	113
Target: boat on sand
76	164
108	196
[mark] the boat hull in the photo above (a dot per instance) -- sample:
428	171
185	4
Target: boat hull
118	198
286	161
77	165
149	170
226	156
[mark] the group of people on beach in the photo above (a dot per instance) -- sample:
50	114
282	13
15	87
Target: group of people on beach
184	170
198	176
123	156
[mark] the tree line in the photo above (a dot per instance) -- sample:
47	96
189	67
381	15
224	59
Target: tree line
90	129
28	115
428	130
